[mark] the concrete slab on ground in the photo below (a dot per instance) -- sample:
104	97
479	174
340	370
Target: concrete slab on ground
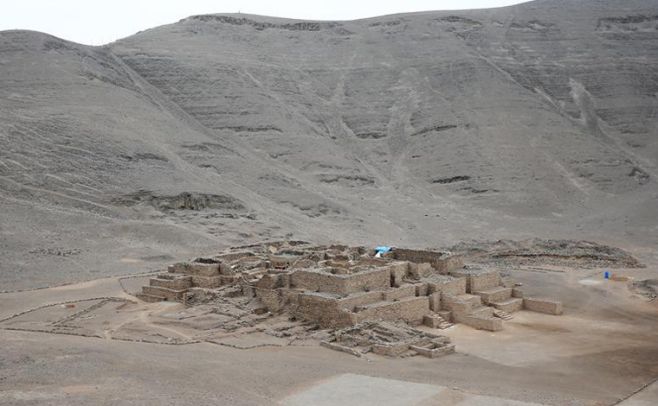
353	389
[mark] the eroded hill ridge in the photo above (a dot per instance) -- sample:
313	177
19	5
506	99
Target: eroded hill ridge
536	120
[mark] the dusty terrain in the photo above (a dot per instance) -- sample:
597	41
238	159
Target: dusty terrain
477	130
94	343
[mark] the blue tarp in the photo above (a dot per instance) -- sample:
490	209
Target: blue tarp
382	249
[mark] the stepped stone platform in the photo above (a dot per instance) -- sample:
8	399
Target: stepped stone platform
338	287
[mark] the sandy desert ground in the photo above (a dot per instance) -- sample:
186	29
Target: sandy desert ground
123	351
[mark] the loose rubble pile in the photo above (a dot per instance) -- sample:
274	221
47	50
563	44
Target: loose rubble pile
647	288
385	338
369	300
581	254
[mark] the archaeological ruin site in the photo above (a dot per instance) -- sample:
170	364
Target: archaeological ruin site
348	288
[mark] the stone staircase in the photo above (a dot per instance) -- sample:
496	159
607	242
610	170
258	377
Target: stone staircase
494	294
435	320
179	278
502	314
510	305
469	309
500	297
166	287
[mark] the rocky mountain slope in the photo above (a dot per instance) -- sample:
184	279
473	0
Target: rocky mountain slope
537	120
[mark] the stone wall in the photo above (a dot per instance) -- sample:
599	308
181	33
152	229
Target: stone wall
478	279
420	270
447	285
399	271
167	294
542	305
435	301
390	349
273	299
440	261
463	304
167	281
322	309
480	323
207	282
235	255
401	292
321	281
450	263
360	299
411	310
484	281
282	261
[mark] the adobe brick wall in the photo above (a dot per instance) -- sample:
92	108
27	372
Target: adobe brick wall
184	282
480	323
432	320
399	271
411	310
422	289
321	309
435	301
510	306
169	294
547	306
460	304
232	256
225	269
206	281
390	350
360	299
282	261
401	292
273	299
420	270
478	280
203	269
440	261
270	281
485	281
371	261
494	295
450	263
318	281
434	351
195	268
180	267
451	286
341	348
315	280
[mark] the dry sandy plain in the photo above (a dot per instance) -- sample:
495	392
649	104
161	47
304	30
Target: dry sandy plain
601	351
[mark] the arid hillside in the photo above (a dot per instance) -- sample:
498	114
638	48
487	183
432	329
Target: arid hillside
537	120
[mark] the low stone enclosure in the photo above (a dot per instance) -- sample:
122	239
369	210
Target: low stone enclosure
348	289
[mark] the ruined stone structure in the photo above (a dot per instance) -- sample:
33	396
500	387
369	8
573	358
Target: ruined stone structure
339	286
371	303
394	340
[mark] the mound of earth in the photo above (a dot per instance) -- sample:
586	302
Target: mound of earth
583	254
647	288
182	201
